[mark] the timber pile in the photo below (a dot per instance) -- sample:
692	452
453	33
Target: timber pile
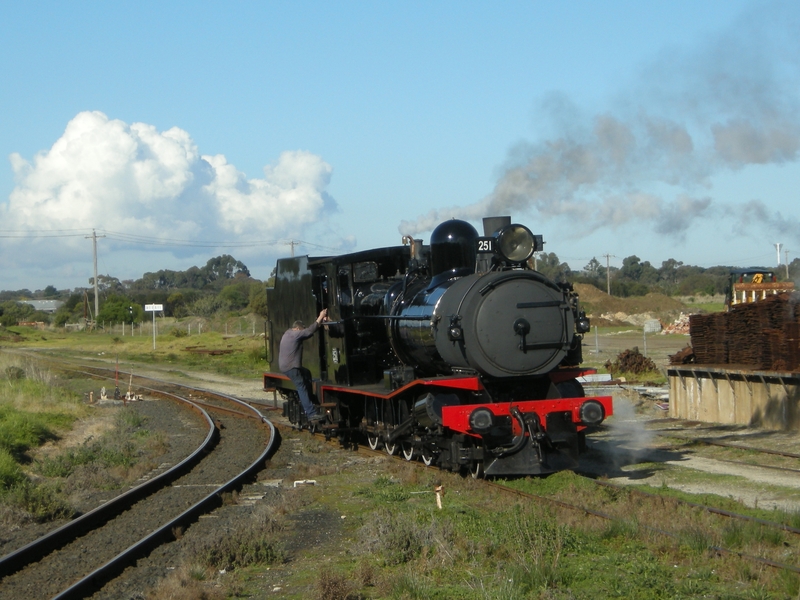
684	356
760	335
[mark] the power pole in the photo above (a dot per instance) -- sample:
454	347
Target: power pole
786	253
292	244
608	273
94	237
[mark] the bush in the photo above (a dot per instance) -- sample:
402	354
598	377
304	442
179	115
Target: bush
631	361
240	548
251	542
43	502
10	472
114	449
20	431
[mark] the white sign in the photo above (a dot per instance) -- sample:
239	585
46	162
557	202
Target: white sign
153	307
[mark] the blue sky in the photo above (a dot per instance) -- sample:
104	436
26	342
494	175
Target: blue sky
182	131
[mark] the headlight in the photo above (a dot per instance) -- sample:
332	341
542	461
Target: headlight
592	412
481	420
516	243
582	324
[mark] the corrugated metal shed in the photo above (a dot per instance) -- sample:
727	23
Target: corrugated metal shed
48	306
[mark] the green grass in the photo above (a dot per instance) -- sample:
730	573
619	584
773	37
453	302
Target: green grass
34	409
10	472
707	307
125	445
483	544
246	359
20	430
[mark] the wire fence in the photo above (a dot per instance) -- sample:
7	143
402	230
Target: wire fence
246	326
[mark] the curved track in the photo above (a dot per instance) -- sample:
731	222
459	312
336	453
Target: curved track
78	558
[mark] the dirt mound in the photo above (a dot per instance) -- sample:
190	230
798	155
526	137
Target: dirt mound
608	310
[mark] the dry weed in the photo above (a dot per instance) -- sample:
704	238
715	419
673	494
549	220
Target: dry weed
186	583
333	586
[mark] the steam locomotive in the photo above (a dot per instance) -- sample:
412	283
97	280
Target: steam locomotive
458	353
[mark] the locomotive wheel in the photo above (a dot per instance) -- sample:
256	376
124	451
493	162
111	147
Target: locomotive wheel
476	469
427	456
391	449
374	441
408	450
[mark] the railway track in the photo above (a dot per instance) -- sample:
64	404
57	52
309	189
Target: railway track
657	502
80	557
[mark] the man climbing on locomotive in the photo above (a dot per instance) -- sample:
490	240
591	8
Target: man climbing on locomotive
290	361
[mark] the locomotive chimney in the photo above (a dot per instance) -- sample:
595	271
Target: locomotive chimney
493	224
416	247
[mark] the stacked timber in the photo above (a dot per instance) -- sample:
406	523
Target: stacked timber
793	341
709	339
758	335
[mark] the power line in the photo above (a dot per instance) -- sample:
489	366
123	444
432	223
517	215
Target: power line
6	234
155	241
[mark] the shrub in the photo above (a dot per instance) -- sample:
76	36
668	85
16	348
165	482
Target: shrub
20	430
333	586
43	502
241	548
10	472
631	361
250	543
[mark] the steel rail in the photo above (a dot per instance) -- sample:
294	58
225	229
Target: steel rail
712	442
35	550
165	533
757	466
706	508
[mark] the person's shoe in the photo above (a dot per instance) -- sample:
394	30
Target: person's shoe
317	417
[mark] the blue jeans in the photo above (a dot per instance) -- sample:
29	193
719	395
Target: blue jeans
303	385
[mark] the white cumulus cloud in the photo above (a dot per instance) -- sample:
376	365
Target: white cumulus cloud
291	193
104	173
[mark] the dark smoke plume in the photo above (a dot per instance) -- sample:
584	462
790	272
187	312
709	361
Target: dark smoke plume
730	103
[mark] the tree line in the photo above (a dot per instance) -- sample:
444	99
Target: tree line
638	278
224	285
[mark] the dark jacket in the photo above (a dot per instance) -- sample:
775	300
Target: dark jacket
291	351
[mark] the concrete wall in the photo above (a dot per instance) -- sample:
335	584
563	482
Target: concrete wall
716	395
